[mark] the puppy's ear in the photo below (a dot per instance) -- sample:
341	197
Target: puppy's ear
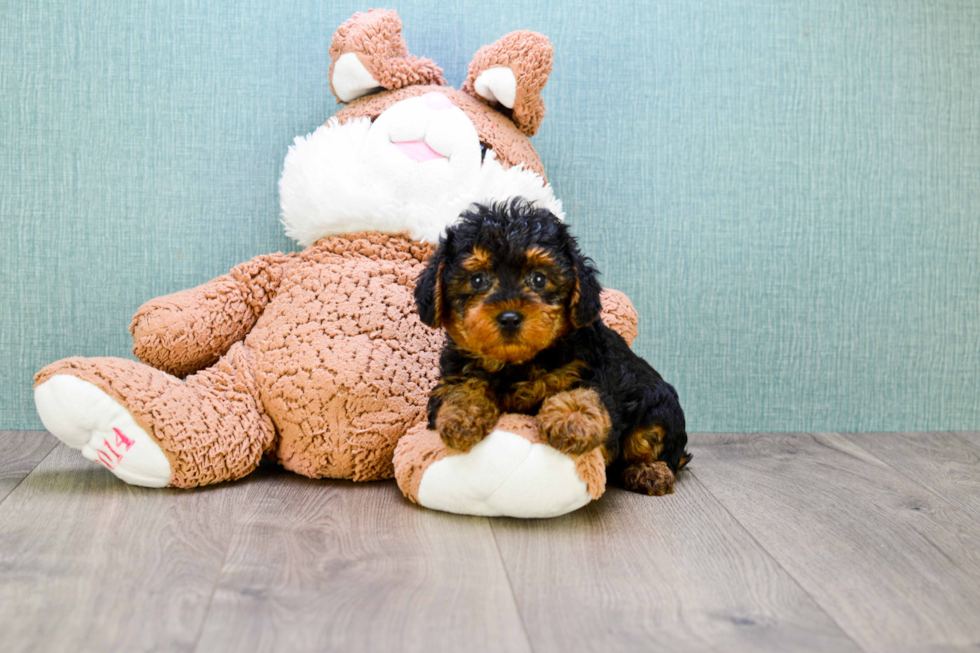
428	288
585	304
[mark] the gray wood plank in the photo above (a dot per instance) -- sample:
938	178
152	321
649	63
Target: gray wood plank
674	573
20	453
88	563
970	436
330	565
897	567
945	463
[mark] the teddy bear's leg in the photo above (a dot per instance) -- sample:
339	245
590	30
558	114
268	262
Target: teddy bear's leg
84	417
510	472
343	419
152	429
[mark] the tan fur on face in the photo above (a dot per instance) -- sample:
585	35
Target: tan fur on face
539	258
479	333
574	421
479	259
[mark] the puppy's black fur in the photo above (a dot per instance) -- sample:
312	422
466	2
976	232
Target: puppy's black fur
521	307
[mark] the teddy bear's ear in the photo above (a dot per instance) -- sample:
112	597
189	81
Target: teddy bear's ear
511	73
368	54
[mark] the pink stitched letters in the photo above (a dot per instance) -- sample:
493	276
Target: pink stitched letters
111	458
122	440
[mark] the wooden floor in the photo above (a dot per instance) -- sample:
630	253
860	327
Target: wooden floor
819	542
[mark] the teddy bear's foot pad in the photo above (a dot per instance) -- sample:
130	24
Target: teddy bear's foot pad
84	417
505	474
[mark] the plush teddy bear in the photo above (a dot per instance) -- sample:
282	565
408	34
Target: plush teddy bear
317	359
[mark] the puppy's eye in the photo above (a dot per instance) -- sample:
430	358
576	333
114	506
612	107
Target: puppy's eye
537	281
479	281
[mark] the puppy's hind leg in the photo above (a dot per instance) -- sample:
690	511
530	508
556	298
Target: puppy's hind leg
641	470
655	450
652	479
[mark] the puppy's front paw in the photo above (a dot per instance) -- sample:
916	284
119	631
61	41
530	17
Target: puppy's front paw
574	422
462	426
652	479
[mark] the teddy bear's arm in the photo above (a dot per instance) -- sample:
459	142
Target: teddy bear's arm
191	329
619	315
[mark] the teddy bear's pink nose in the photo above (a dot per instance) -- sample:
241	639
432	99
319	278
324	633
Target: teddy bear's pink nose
437	101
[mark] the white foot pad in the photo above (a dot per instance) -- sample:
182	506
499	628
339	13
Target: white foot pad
84	417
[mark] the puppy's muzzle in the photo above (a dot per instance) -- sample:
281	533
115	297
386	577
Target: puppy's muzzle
510	322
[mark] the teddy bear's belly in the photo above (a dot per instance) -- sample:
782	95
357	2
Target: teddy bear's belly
344	365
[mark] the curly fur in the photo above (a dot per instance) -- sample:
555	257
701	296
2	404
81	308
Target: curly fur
520	304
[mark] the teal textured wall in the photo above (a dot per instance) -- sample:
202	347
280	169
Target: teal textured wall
788	191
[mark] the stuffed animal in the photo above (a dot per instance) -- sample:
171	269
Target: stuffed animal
317	359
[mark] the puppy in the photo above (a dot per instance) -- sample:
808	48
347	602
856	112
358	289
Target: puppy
520	305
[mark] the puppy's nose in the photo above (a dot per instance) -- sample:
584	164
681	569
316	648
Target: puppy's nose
510	320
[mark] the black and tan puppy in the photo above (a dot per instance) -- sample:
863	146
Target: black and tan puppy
521	308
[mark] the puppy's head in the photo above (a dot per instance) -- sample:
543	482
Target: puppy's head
506	282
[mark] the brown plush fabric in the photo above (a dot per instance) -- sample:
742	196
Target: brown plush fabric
415	453
344	361
211	427
421	448
496	130
335	369
591	468
619	315
317	359
189	330
530	57
376	38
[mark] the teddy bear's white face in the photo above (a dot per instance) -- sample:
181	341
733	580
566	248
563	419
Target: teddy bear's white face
425	150
414	169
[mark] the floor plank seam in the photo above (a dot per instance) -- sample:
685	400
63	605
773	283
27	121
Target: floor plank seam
775	560
510	584
916	482
214	590
14	488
